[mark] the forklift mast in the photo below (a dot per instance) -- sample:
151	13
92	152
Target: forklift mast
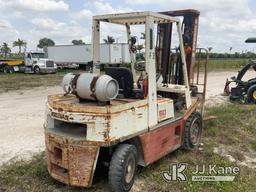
164	60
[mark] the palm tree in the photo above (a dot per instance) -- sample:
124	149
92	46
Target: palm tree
109	40
5	49
19	43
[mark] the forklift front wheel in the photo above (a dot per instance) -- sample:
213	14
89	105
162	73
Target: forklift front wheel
122	168
251	94
193	131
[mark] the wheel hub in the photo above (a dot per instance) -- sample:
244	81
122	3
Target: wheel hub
129	173
254	95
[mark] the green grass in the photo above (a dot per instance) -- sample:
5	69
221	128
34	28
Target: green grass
234	127
30	176
226	64
17	81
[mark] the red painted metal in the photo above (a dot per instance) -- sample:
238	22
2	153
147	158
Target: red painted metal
194	30
161	141
165	139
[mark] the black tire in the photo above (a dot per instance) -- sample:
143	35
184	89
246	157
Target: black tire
11	69
5	69
251	94
8	69
36	70
122	169
192	131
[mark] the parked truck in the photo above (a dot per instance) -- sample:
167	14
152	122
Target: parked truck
75	55
33	62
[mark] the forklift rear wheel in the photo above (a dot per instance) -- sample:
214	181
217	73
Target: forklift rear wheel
251	94
36	70
122	168
193	131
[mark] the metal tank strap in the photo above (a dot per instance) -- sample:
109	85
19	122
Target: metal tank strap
74	84
93	86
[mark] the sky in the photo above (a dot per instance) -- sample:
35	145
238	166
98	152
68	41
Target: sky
223	23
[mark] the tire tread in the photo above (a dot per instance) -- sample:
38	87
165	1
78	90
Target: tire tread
116	165
186	140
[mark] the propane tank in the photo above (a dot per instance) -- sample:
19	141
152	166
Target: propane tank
66	82
91	86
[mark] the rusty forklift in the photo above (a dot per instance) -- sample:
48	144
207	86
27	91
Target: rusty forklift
125	118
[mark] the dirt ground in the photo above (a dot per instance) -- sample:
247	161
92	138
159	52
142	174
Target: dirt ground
22	116
21	122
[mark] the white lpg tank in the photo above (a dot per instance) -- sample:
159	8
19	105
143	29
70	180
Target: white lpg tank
91	86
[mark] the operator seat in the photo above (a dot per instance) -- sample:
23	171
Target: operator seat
124	78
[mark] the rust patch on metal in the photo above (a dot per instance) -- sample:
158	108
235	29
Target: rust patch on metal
81	167
71	104
107	129
60	110
70	163
59	116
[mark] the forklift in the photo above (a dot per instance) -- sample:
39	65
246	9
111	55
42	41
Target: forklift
244	91
127	118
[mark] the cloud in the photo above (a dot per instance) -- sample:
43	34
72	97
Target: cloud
59	32
215	8
25	26
35	5
5	24
223	23
106	8
48	24
98	8
248	25
7	32
83	14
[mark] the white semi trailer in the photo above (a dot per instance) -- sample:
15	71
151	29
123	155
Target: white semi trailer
74	55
